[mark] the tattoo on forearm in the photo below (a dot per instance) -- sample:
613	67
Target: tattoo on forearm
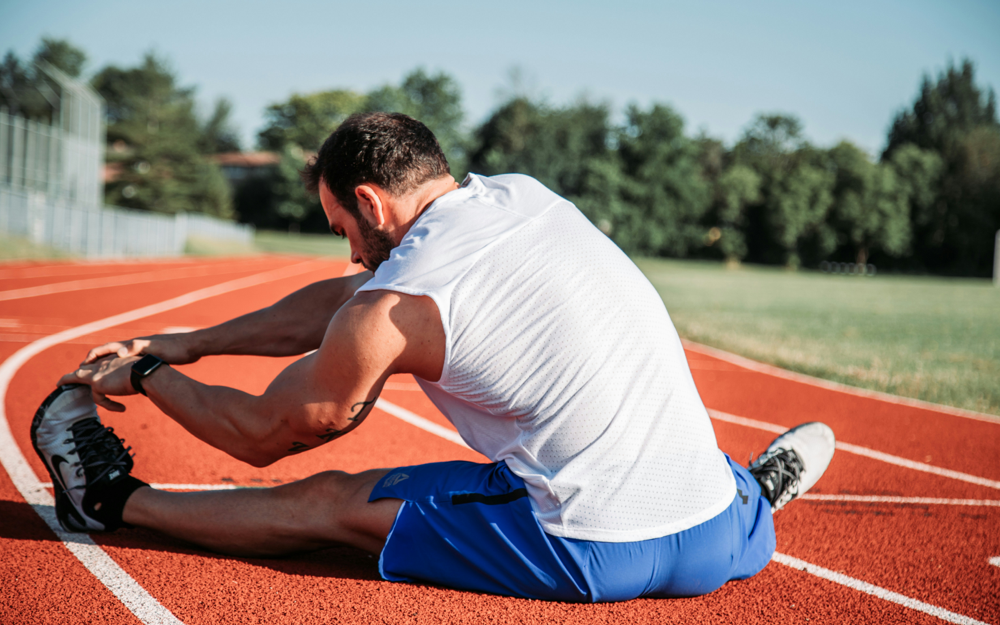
357	413
298	447
330	434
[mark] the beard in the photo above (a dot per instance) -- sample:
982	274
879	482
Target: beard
377	245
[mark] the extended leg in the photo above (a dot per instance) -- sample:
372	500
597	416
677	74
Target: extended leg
327	509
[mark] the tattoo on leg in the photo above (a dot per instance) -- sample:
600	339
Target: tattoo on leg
298	447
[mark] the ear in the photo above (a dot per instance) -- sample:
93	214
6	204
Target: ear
370	203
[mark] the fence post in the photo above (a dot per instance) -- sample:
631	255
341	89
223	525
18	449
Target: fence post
180	232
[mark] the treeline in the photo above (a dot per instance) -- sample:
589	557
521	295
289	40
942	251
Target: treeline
929	203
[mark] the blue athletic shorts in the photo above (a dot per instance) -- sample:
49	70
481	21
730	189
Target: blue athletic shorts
471	526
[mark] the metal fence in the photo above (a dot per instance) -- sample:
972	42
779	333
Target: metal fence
107	232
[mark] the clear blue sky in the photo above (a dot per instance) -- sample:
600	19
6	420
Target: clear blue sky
844	67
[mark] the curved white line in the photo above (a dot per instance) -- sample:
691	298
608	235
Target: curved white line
871	589
777	372
128	591
863	451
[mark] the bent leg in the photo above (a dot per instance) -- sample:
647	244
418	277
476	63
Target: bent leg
324	510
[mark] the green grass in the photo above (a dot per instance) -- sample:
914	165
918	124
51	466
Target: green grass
291	243
934	339
271	242
18	248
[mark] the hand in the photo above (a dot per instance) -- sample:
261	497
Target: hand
174	349
107	376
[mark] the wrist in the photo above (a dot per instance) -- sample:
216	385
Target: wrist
142	369
196	344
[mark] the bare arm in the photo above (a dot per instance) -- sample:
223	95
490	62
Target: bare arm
294	325
316	399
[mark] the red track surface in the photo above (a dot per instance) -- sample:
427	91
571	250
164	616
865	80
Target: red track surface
937	554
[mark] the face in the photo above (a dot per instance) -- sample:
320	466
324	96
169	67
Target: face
369	247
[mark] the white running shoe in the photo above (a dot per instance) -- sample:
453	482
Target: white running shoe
794	462
83	458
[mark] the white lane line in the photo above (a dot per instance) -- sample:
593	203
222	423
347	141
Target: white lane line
103	567
864	451
416	420
131	278
777	372
85	269
994	561
923	501
871	589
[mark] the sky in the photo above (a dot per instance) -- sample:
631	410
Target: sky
844	68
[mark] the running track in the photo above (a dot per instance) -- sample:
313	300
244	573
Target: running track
904	528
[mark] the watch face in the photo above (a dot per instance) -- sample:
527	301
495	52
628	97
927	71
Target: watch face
146	365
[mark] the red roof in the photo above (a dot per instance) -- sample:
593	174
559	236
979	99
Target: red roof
246	159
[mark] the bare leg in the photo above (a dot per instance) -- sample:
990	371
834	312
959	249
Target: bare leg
327	509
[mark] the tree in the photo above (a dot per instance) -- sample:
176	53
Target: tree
664	185
436	100
790	219
307	120
871	204
218	134
154	138
62	55
27	91
957	120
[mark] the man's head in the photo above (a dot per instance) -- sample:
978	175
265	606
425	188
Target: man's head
369	158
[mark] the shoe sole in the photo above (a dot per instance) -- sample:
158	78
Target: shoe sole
64	508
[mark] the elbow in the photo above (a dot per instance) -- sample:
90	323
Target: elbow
255	455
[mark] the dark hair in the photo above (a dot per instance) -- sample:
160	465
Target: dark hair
392	150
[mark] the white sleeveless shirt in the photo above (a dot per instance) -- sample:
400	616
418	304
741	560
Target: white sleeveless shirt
561	361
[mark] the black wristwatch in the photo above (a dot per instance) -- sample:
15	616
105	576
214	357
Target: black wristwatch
143	368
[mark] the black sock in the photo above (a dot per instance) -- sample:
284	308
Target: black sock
107	503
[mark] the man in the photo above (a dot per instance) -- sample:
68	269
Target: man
542	343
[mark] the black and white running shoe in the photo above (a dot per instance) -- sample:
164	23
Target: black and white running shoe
794	462
88	464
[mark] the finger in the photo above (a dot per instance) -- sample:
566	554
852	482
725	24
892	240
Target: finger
133	348
80	376
105	402
102	351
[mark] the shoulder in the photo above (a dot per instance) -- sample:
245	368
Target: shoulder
402	331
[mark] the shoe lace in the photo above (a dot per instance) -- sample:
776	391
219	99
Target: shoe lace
778	473
97	447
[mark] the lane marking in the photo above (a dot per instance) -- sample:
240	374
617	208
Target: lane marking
85	269
416	420
122	280
994	561
871	589
95	559
933	501
777	372
863	451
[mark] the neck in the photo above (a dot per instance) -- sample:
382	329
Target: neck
413	204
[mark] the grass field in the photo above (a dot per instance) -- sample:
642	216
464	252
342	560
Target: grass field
934	339
18	248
